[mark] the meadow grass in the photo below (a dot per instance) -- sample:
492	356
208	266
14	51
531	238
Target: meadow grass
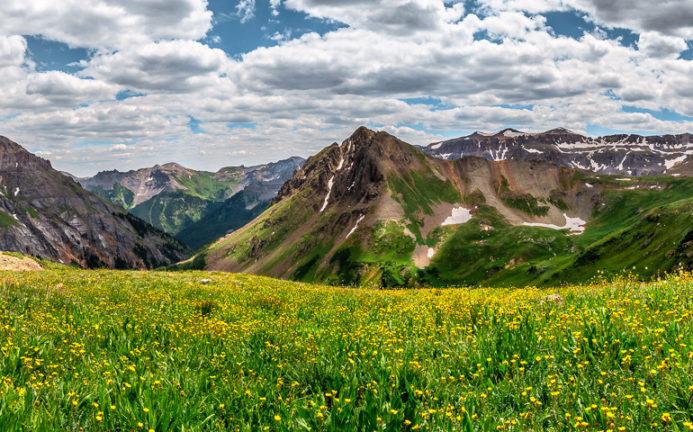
156	351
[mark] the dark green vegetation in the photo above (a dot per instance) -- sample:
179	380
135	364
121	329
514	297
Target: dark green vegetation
157	351
219	219
172	212
119	195
6	220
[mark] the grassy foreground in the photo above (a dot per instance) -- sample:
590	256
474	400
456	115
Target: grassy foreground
131	351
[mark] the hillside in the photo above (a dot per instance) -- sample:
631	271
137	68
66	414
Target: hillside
46	214
121	351
612	154
376	211
186	203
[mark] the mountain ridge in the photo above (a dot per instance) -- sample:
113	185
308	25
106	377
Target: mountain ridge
628	154
46	214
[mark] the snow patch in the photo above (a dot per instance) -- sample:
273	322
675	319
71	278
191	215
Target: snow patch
330	183
459	215
531	150
670	163
436	146
512	134
356	226
589	185
430	253
16	192
575	225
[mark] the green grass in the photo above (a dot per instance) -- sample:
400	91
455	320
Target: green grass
469	255
645	232
172	212
6	220
417	192
130	351
208	186
118	194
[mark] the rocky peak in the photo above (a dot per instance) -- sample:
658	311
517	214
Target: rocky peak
12	155
625	154
350	171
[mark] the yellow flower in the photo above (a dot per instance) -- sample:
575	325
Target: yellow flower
666	417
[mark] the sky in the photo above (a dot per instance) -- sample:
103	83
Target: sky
123	84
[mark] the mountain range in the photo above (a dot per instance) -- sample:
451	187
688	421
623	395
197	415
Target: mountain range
196	207
613	154
47	214
376	211
502	209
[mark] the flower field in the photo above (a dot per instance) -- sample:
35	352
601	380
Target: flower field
156	351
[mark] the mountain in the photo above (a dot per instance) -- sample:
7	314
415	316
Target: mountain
46	214
613	154
185	202
376	211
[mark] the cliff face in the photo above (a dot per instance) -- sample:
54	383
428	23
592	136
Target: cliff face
47	214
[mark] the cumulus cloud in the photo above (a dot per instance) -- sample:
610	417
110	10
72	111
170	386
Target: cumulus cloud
12	50
392	16
503	67
656	44
671	17
168	66
106	23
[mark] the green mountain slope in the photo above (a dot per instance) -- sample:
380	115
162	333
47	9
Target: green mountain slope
375	211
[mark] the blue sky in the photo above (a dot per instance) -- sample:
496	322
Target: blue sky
220	82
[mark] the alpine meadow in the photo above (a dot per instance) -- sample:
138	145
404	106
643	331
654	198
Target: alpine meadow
336	216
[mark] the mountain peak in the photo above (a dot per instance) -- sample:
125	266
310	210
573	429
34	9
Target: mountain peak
559	131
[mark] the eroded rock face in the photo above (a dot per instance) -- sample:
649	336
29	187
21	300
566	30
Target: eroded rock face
613	154
47	214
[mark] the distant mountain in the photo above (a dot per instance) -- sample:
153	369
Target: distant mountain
182	201
613	154
47	214
376	211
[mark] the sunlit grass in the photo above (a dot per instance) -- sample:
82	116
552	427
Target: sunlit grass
130	351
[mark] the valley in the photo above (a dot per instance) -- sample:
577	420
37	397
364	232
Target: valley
196	207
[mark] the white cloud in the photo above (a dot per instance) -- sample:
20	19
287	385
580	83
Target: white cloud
672	17
12	50
392	16
167	66
274	6
106	23
245	9
306	92
655	44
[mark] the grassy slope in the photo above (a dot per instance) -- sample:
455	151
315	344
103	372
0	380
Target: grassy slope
119	195
107	350
219	219
635	230
172	212
208	186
